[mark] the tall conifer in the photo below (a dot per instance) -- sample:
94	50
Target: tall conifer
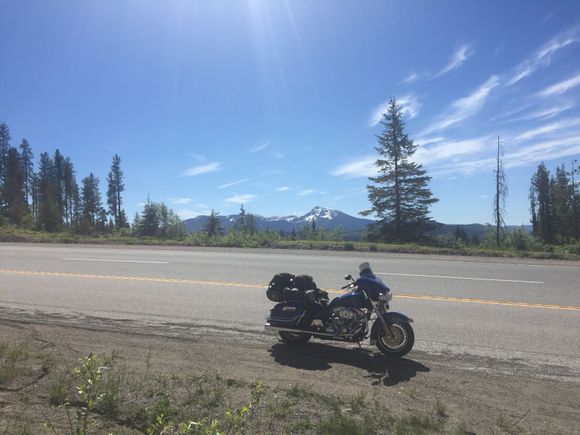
400	195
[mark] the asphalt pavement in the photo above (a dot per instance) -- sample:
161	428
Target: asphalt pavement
504	309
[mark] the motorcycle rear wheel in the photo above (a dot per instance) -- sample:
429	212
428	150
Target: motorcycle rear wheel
294	337
400	344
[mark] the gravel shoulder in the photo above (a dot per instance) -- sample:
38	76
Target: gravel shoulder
465	393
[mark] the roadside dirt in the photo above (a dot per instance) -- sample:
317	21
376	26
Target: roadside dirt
477	395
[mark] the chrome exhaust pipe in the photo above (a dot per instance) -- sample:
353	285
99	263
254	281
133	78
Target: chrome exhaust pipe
269	327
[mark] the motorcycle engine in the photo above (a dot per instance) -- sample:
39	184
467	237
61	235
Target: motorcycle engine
351	320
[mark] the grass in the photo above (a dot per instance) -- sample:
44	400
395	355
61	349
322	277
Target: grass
101	393
440	409
9	373
10	233
418	425
18	360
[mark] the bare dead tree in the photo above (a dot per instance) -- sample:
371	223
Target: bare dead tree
501	192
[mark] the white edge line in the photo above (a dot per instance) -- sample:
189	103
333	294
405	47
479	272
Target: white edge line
115	261
467	278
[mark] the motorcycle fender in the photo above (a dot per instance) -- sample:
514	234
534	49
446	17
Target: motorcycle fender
389	318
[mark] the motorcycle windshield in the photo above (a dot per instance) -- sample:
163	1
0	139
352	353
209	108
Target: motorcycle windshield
372	285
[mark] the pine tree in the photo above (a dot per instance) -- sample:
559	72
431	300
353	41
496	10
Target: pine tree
212	227
71	194
241	219
115	187
59	163
4	146
149	224
541	200
28	166
400	196
562	195
91	202
250	226
48	218
14	193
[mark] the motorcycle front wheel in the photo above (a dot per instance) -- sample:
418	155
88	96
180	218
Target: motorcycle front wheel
294	337
399	343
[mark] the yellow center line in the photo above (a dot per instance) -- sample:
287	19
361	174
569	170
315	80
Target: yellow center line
262	286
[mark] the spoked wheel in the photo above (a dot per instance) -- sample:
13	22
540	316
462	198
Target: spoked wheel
294	337
399	343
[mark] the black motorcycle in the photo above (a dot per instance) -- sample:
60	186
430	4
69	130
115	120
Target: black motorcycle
304	311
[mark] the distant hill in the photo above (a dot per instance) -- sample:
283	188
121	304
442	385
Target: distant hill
330	219
327	218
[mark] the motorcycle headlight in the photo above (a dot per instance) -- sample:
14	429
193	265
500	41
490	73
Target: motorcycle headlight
385	297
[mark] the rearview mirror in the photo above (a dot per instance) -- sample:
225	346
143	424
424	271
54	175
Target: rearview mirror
348	277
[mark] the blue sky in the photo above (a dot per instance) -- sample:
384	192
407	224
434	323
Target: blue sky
275	103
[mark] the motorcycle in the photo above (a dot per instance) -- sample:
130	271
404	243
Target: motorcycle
345	318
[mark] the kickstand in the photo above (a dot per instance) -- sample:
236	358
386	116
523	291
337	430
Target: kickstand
359	345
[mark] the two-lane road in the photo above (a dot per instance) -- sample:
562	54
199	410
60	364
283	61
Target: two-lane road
504	309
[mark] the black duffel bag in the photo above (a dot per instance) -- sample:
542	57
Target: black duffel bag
304	283
277	285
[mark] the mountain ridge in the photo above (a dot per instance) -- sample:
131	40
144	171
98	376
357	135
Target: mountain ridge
330	219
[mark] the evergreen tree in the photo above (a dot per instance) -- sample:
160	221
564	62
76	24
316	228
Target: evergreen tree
240	224
562	196
59	163
212	227
149	224
91	202
71	194
14	193
250	226
28	166
4	146
541	200
115	186
401	196
48	218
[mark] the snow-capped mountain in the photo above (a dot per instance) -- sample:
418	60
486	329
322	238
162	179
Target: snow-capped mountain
323	217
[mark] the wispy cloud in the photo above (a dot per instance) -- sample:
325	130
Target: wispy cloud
362	167
459	56
530	153
411	78
307	192
410	106
234	183
259	148
543	55
283	189
549	128
240	199
453	149
203	169
561	87
181	201
465	107
278	155
423	141
540	114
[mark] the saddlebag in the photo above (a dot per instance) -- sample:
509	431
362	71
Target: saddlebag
276	287
286	314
